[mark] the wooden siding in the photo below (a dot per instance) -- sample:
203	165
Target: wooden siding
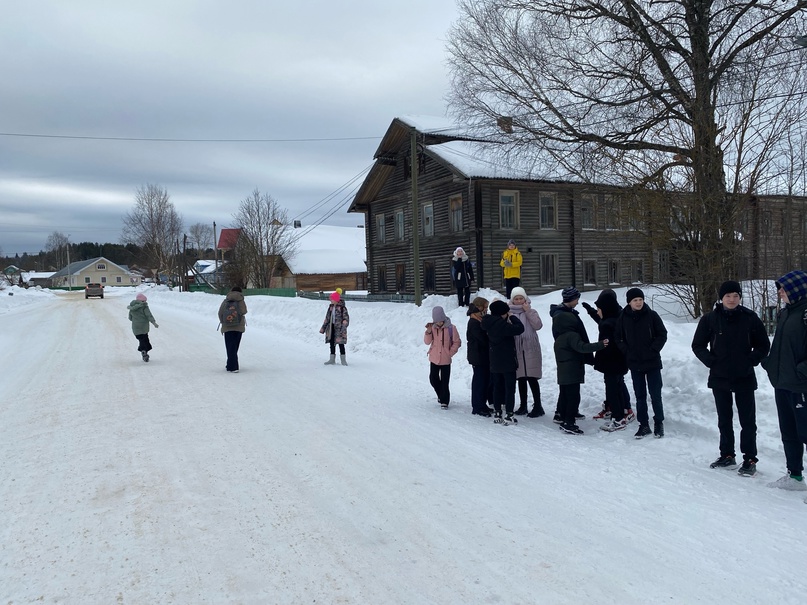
325	282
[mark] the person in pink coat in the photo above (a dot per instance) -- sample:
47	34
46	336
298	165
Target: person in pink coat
444	341
528	351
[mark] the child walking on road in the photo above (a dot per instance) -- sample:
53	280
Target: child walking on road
140	316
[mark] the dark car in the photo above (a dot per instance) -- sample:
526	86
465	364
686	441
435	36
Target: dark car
93	290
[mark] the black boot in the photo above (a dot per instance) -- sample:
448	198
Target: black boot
537	411
522	409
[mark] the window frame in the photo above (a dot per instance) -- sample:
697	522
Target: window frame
543	198
455	212
381	228
400	225
427	216
515	208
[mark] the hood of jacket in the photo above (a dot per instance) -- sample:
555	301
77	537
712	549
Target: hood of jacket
137	304
239	296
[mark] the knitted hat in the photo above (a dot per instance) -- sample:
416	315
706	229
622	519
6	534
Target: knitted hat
438	315
334	297
517	291
730	286
569	294
499	307
634	293
141	297
236	289
339	291
512	241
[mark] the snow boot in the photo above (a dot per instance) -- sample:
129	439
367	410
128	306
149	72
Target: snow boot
723	462
343	359
331	361
145	355
644	431
537	411
522	409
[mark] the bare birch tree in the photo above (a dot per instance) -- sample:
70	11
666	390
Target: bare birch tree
265	240
669	96
201	237
154	225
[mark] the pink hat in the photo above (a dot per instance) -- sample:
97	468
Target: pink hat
334	297
141	296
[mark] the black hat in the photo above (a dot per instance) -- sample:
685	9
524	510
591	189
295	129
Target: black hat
607	303
730	286
634	293
569	294
499	307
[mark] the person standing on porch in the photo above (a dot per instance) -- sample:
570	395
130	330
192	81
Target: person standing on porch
462	274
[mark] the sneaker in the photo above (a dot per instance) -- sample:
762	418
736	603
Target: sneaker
644	431
723	462
579	416
443	406
511	418
603	414
614	425
572	429
793	483
537	411
145	356
484	413
497	418
658	430
629	415
522	410
557	419
748	469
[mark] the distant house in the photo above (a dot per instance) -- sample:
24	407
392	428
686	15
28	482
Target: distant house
94	271
329	257
37	278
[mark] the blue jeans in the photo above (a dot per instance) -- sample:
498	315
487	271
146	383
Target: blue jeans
642	383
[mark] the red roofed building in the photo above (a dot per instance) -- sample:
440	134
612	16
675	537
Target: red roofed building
227	239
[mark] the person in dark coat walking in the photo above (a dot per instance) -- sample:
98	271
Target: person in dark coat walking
640	335
462	274
572	352
140	316
233	330
786	366
502	328
479	358
613	365
730	340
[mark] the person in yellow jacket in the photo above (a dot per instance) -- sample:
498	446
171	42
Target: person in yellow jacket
511	263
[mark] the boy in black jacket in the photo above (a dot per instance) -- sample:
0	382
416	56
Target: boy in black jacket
640	335
730	341
502	328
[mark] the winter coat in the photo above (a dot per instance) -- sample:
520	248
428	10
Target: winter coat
462	272
501	334
514	258
477	339
787	363
572	351
730	343
444	341
140	316
337	319
609	360
528	347
640	335
242	308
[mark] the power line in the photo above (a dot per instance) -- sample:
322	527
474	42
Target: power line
171	140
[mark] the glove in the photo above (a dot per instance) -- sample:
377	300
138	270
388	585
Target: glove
507	263
588	307
155	325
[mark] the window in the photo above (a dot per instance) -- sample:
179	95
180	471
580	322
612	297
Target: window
767	220
612	212
382	279
455	212
103	279
100	267
86	280
400	277
428	220
588	212
637	272
508	209
399	225
547	209
613	272
663	260
549	269
428	276
590	272
119	279
381	228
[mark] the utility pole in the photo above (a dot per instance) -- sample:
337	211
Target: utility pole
69	272
413	166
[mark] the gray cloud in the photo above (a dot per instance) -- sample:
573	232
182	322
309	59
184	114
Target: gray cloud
201	70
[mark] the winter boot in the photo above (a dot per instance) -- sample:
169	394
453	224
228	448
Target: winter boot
522	409
644	431
331	361
537	411
145	355
658	430
343	359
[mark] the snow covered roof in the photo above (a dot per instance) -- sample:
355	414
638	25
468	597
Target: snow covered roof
329	249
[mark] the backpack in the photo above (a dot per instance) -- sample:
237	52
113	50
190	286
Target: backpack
232	314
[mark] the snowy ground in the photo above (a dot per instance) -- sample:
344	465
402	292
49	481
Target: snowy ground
292	482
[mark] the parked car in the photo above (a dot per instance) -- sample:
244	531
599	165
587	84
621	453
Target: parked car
93	290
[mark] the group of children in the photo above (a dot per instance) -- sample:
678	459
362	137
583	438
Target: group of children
505	354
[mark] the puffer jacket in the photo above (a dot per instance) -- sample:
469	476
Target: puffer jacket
640	335
140	316
242	307
787	363
528	347
337	319
514	258
444	342
572	352
478	342
501	334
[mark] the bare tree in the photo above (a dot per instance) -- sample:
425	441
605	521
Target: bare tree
201	237
56	246
154	225
265	240
652	94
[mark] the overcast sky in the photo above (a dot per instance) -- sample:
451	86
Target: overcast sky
202	69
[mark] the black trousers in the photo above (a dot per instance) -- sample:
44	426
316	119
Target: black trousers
615	390
746	413
510	283
792	409
143	342
534	387
439	377
232	340
569	402
333	344
504	391
464	295
481	391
